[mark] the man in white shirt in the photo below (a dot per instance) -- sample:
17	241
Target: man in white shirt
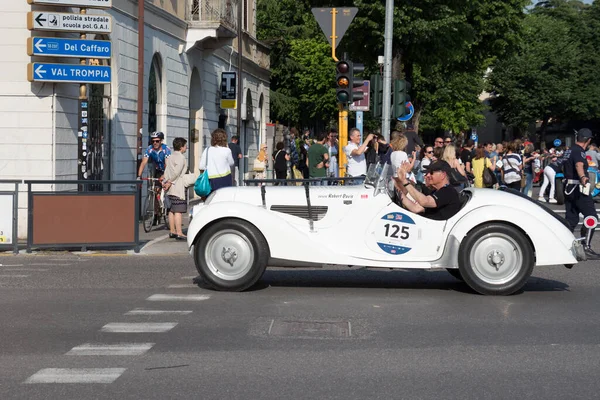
355	152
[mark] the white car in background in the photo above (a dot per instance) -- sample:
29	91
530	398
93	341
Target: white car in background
492	243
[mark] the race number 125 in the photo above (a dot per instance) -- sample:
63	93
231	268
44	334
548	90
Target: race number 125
396	232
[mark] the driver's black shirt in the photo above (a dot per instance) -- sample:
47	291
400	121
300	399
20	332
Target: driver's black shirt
572	156
448	204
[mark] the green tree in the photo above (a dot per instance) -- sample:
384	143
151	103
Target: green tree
553	75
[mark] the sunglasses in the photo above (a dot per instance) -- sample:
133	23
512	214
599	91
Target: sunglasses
439	141
156	141
431	172
429	152
447	141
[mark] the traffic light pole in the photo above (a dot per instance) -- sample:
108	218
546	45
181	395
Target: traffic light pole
387	70
343	139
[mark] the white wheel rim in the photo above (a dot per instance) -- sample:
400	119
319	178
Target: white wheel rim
496	258
229	255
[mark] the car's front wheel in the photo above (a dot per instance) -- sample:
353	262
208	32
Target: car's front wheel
231	255
496	259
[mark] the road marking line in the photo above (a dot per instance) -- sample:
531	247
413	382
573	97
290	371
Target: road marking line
178	297
182	286
141	311
51	265
122	349
14	276
76	375
11	265
24	269
138	327
189	277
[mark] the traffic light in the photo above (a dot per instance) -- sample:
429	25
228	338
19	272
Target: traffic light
400	97
343	71
377	95
346	81
356	80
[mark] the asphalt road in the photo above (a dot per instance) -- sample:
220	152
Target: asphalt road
299	334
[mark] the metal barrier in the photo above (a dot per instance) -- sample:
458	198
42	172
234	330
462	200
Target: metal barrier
82	218
9	207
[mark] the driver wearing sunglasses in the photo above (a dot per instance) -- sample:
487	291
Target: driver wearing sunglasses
443	202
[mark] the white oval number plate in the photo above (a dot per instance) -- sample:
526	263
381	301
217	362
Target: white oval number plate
396	233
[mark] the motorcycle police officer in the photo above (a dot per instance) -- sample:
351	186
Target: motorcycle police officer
577	191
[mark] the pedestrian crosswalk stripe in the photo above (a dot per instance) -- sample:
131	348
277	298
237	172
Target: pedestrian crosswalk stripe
121	349
188	277
182	286
141	311
14	276
138	327
178	297
76	375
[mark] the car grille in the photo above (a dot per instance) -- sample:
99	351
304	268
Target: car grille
318	212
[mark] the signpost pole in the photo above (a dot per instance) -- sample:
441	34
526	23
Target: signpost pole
359	123
82	133
387	70
140	84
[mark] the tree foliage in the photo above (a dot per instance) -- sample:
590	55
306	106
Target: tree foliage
554	73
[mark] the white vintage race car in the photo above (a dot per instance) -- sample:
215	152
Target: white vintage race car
492	243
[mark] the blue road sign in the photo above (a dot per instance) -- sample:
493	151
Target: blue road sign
61	47
474	137
44	72
411	112
557	142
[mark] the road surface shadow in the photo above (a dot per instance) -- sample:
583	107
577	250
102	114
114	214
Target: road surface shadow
401	279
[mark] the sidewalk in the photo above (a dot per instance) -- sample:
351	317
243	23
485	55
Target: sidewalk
157	242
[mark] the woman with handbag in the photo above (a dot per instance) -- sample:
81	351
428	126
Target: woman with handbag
511	167
175	183
478	165
216	162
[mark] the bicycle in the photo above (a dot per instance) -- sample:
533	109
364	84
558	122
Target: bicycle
154	205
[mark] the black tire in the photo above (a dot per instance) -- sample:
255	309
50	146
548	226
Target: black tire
455	272
148	216
244	238
559	191
496	259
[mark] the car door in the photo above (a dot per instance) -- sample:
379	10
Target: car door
396	234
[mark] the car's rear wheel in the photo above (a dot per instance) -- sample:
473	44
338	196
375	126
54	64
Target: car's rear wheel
231	255
496	259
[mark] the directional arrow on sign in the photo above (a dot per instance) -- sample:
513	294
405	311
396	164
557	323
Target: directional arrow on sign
40	71
39	19
39	45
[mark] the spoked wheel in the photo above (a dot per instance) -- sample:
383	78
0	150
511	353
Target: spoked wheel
496	259
231	255
148	216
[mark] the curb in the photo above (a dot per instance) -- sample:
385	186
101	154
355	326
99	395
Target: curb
153	242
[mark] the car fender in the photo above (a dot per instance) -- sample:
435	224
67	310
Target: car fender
551	240
285	240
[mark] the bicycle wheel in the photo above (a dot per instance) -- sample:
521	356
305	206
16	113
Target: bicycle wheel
148	215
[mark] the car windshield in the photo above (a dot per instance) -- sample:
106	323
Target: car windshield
379	176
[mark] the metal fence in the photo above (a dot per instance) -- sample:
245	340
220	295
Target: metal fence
9	215
83	214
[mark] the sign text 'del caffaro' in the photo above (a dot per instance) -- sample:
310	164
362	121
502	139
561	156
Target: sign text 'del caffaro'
362	105
68	73
66	22
74	3
62	47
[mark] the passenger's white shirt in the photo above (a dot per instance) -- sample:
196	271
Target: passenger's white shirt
397	159
357	165
220	161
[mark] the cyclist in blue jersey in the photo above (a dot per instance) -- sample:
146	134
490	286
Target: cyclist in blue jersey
157	153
